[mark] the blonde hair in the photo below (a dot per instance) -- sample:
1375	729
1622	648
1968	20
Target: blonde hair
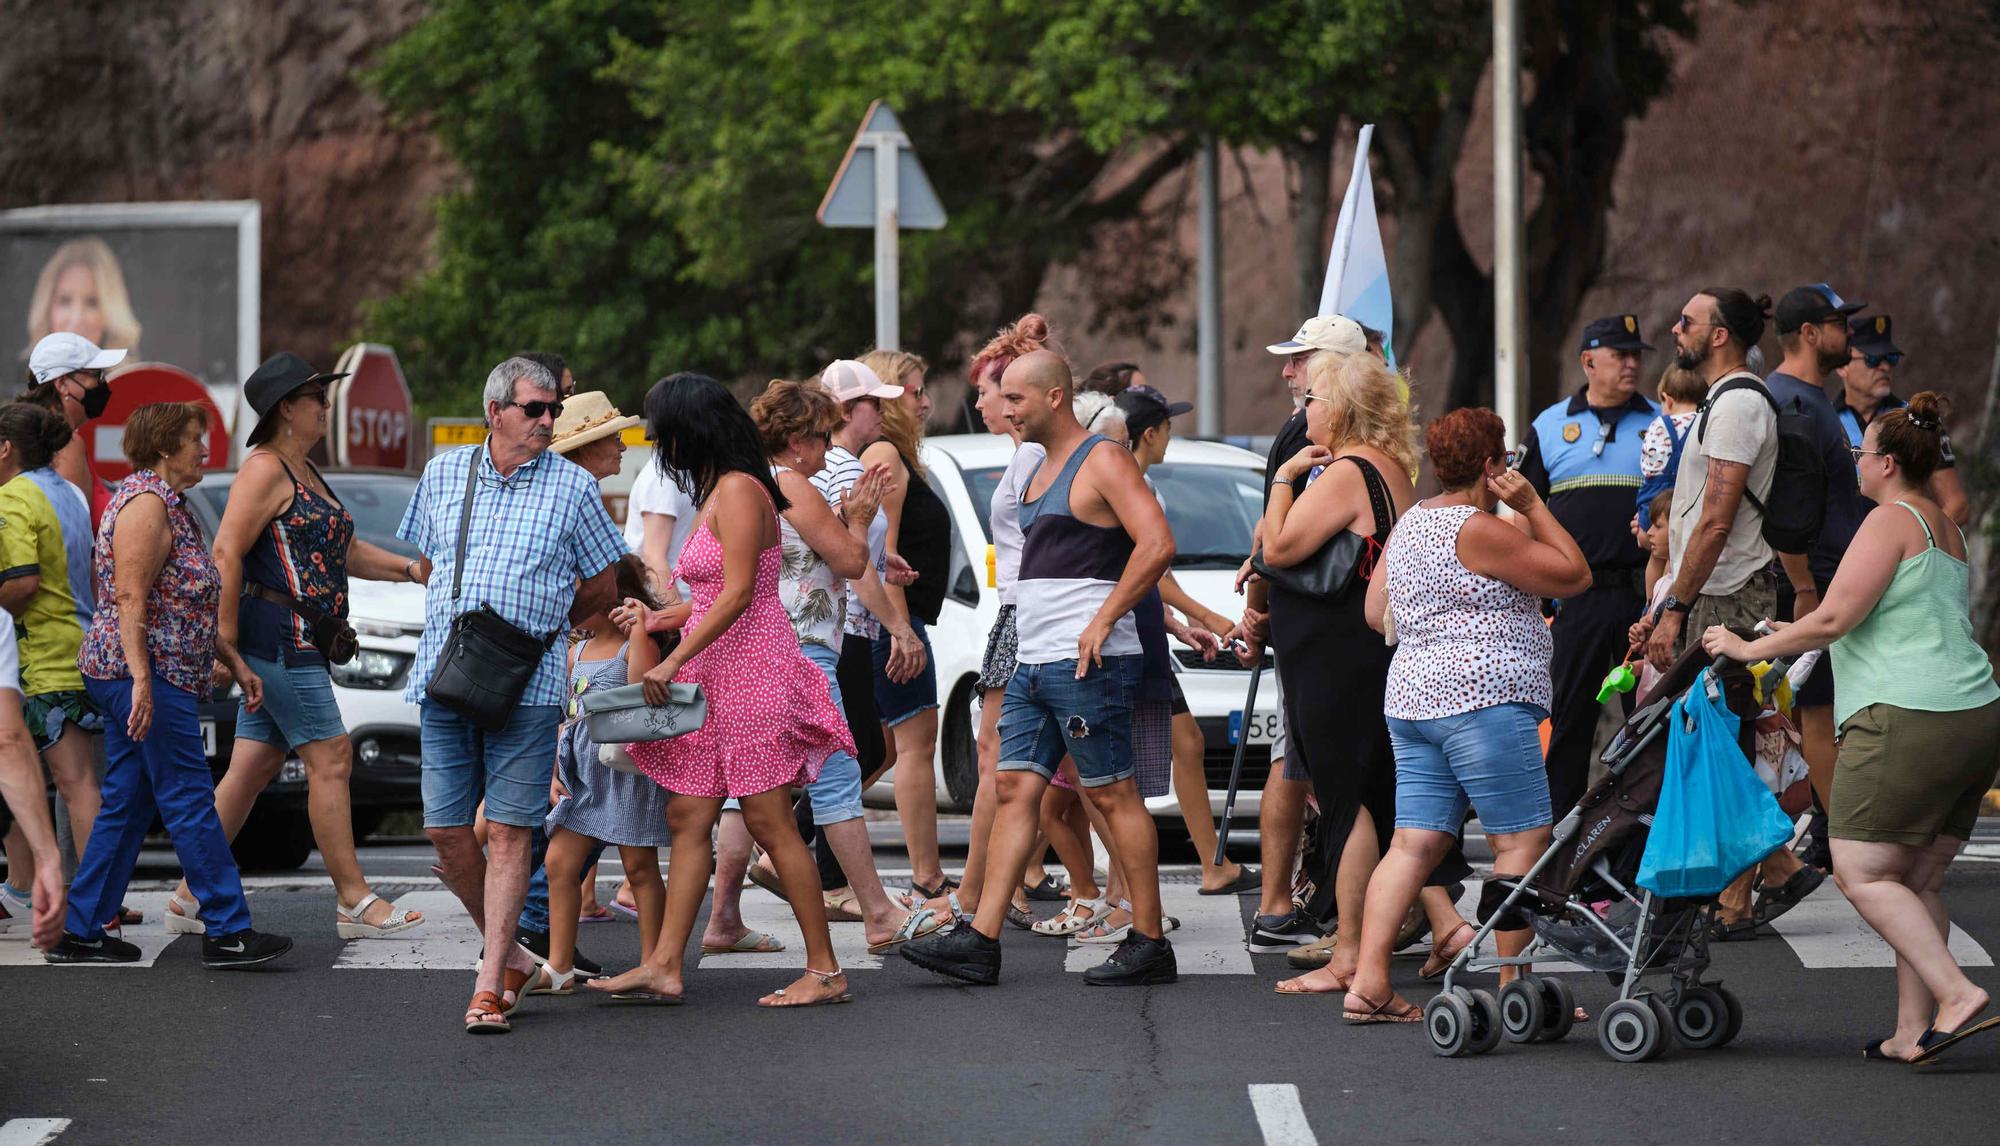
900	429
121	326
891	365
1366	405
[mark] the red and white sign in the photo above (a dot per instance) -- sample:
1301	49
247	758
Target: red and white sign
372	414
139	385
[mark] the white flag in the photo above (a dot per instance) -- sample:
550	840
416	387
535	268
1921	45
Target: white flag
1357	270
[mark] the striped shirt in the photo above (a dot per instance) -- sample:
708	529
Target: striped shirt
533	536
835	478
1068	570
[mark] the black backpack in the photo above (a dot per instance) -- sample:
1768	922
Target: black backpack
1797	502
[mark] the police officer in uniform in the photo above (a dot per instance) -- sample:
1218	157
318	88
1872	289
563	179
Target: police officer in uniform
1866	390
1582	455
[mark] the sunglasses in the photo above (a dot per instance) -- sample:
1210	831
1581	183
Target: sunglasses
535	410
1688	322
317	394
1875	360
1860	453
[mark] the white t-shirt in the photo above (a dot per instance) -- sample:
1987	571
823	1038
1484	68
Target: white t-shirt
652	493
1005	515
10	661
1741	427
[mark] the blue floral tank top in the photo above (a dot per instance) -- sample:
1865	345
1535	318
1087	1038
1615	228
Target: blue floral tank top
302	552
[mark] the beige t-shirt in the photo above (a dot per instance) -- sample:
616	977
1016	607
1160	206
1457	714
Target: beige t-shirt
1741	427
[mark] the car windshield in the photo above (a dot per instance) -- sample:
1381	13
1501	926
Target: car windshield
1213	509
376	500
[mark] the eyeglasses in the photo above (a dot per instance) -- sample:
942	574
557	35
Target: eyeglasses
535	410
1688	322
1875	360
1859	453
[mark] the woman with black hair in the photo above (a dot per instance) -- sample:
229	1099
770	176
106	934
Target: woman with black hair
771	721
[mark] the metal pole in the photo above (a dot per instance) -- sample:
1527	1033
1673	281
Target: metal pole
1208	290
888	288
1510	279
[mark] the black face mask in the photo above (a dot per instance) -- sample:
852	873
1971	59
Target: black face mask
95	399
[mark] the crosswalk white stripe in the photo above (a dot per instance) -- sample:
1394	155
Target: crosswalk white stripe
31	1131
1826	931
151	937
1280	1116
1210	940
445	941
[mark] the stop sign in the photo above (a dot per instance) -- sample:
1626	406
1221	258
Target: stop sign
142	385
371	410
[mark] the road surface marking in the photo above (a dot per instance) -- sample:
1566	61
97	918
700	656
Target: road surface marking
445	941
1280	1116
1826	931
31	1131
765	912
151	936
1209	940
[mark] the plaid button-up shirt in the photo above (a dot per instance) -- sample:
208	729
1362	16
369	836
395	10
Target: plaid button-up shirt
533	536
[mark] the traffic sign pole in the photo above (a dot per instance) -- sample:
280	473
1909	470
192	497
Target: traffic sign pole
888	285
885	189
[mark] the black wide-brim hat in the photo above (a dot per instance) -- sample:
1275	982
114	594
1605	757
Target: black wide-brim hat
276	379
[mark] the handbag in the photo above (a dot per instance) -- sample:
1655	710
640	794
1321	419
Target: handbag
622	716
331	635
1347	559
1715	819
487	661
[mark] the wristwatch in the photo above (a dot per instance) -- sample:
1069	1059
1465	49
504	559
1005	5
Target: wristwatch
1672	604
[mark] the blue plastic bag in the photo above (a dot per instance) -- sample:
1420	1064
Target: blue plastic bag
1715	818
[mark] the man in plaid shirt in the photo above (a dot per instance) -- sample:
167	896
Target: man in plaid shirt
540	551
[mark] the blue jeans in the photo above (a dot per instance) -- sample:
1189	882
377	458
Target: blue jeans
836	795
1048	714
167	772
510	768
1491	757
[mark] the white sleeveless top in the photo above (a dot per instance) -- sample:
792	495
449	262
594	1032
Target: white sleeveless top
1463	641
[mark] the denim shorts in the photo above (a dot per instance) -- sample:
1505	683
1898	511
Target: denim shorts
1049	714
510	768
49	713
899	702
1490	756
298	705
836	794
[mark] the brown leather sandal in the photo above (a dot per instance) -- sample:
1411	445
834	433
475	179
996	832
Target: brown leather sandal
1340	985
1443	953
486	1015
1380	1012
514	987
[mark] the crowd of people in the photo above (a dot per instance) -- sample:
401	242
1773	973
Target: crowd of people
1437	658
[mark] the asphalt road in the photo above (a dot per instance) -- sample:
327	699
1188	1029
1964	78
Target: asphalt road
362	1042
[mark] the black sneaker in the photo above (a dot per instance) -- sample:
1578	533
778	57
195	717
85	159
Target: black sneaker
1277	934
1137	962
961	953
536	943
103	949
245	948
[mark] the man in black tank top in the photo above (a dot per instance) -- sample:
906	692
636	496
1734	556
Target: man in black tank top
1101	535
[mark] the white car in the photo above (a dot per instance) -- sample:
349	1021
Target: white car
1214	495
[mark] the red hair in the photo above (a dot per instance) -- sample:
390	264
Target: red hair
1462	442
1029	333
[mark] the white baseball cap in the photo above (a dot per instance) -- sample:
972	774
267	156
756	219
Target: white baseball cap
64	353
848	380
1335	332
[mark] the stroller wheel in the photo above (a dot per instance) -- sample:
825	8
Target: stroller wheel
1448	1020
1485	1022
1701	1018
1630	1030
1558	1010
1733	1025
1523	1010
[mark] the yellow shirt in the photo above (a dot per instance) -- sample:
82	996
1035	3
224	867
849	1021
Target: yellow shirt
32	543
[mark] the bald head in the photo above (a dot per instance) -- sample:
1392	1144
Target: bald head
1035	393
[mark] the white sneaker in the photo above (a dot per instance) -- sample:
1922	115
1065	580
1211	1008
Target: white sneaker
17	912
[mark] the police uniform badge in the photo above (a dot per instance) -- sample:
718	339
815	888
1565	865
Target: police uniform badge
1572	431
1881	324
1631	324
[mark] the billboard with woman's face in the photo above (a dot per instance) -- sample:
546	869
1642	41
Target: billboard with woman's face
170	282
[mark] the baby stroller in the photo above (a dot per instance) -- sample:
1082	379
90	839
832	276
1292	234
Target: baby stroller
1583	902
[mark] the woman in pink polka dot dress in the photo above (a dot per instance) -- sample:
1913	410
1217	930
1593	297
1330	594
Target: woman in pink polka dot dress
771	719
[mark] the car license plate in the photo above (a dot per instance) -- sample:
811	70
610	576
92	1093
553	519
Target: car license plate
1262	727
208	738
293	772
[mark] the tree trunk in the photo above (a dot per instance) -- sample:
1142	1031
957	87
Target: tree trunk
1311	160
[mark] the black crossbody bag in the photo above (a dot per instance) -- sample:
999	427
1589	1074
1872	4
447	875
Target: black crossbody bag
487	661
1347	560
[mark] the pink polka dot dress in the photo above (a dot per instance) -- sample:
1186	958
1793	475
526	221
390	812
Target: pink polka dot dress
771	717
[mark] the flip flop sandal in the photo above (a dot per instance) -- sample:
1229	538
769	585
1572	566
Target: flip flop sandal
350	924
1020	918
549	981
1340	985
752	943
130	918
826	979
631	913
768	880
1873	1053
183	916
643	998
920	923
487	1015
1067	921
1051	890
1380	1012
1935	1043
843	907
1248	879
601	915
1442	955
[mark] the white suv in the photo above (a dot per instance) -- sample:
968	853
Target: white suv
1214	495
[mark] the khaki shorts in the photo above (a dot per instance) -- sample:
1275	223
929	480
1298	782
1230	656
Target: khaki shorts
1908	777
1756	601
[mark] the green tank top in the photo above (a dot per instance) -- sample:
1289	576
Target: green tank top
1916	649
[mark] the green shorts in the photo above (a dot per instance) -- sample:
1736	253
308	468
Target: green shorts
1907	776
48	713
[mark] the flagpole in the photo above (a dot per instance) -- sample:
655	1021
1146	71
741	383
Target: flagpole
1208	291
1510	280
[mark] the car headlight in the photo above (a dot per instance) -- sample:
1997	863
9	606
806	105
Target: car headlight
372	668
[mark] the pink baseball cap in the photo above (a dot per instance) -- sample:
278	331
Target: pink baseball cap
848	380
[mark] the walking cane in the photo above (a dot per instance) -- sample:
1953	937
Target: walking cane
1236	767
